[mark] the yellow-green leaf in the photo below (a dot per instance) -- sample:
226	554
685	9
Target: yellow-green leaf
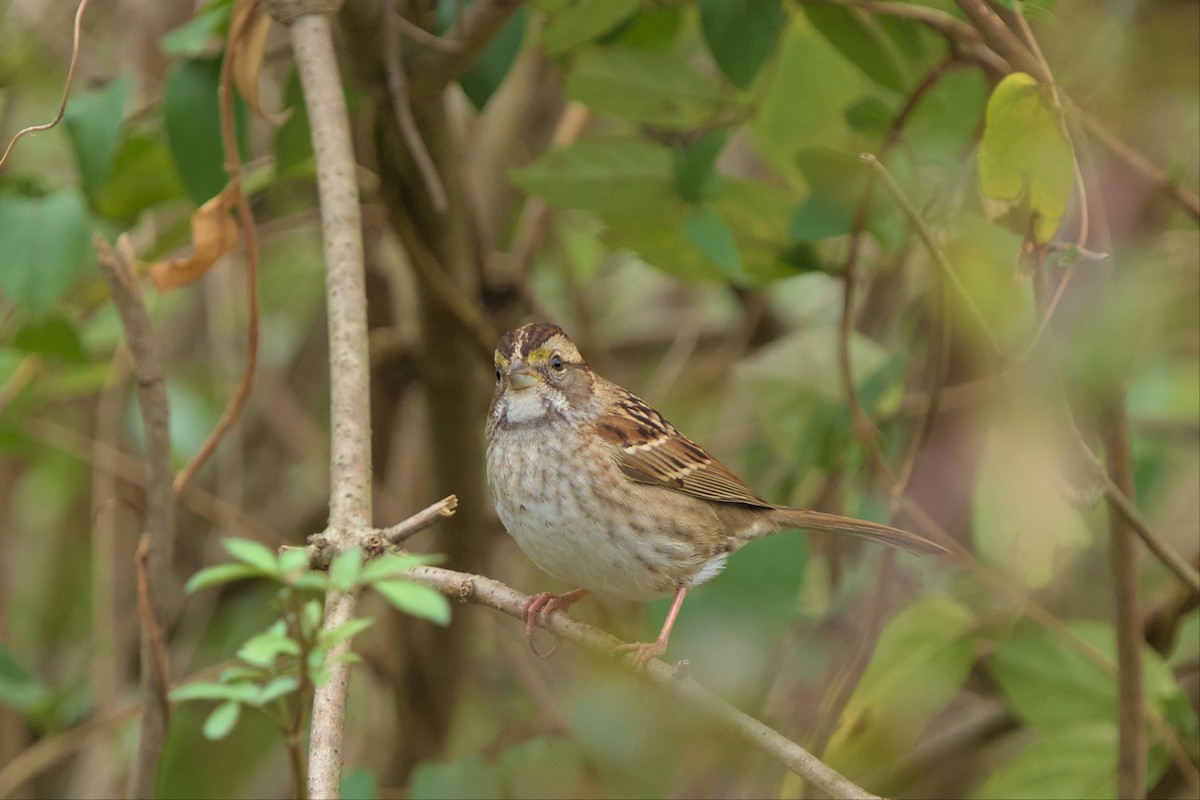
1024	155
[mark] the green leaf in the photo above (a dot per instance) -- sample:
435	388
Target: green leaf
191	117
348	629
577	23
93	122
358	784
870	116
53	337
624	177
741	34
235	692
262	650
1052	685
221	573
695	178
646	86
1024	158
1076	763
197	35
344	571
489	70
311	580
142	176
469	776
311	616
866	47
47	242
254	553
836	181
18	689
276	689
782	127
653	28
543	769
293	559
711	236
221	721
292	142
1023	522
416	599
922	658
791	378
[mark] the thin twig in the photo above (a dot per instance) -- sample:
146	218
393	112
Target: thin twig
493	594
939	258
422	36
1137	162
399	533
62	106
1128	511
1000	38
161	588
397	83
233	165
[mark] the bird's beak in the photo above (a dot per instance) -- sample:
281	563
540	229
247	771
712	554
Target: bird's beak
520	377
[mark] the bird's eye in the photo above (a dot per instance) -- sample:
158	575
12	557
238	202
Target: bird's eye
497	374
556	363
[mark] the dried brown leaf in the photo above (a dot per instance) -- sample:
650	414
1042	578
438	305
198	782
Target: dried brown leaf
214	233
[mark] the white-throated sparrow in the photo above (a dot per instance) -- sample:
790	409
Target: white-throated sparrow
603	493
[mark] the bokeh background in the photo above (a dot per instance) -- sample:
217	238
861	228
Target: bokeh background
677	184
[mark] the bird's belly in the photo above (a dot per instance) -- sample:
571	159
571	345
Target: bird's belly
559	521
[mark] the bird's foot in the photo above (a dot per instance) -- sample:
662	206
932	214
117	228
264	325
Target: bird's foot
643	651
538	607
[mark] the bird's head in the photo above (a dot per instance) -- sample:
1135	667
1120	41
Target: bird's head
539	372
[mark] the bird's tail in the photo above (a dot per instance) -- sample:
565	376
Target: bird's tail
834	523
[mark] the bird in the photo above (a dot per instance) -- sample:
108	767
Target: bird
604	494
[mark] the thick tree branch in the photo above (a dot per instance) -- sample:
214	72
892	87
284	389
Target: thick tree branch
350	447
160	591
672	678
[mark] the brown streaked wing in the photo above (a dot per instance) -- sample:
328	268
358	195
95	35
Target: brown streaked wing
648	449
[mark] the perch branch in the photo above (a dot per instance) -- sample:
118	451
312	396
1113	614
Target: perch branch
672	678
117	268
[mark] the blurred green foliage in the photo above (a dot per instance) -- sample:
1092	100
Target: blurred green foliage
697	245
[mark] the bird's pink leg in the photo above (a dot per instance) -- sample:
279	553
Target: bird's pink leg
644	651
540	606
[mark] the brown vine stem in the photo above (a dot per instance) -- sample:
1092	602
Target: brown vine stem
62	107
159	591
233	165
311	33
672	678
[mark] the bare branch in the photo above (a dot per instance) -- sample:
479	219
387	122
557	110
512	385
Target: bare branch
160	588
672	678
397	534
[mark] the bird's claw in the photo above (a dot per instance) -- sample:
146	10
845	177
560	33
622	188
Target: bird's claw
537	608
643	652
